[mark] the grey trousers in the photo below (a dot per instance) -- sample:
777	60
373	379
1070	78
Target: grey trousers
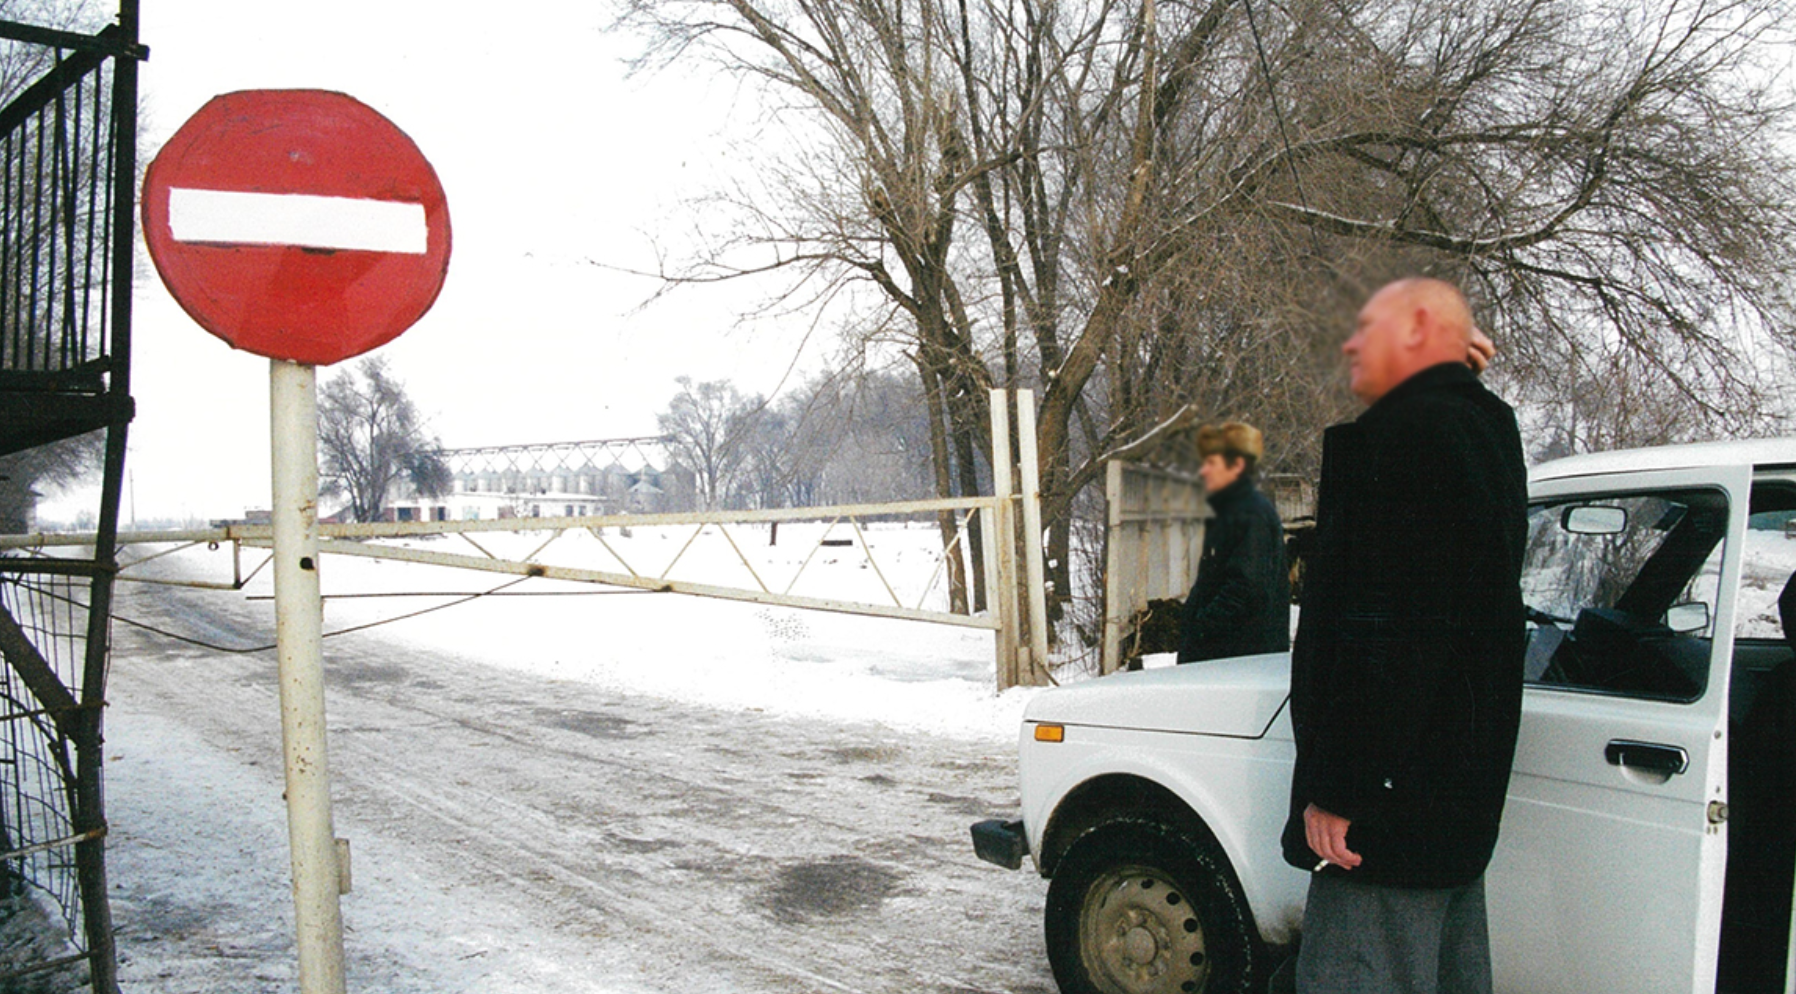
1364	939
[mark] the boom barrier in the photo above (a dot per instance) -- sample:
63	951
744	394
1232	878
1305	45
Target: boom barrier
999	534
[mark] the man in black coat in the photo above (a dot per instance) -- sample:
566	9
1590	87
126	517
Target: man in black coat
1406	675
1241	602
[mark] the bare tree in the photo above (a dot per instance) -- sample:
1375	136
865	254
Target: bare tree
707	427
370	438
767	455
808	446
1139	205
862	435
22	63
57	464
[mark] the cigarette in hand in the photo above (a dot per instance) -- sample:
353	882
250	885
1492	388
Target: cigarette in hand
1320	866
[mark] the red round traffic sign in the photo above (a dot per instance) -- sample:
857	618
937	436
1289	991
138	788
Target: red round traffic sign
297	224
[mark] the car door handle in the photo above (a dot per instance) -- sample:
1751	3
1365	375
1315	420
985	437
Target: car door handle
1649	756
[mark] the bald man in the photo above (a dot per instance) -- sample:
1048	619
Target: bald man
1406	673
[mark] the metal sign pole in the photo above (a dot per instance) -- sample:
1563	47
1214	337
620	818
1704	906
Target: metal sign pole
248	210
299	623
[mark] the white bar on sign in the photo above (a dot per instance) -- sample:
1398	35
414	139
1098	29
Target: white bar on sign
238	218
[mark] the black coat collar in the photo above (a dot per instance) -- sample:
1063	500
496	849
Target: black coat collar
1446	375
1232	494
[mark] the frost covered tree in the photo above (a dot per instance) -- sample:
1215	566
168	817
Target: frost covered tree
707	427
1132	205
58	464
370	437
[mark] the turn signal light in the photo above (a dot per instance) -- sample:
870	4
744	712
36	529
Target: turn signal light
1050	733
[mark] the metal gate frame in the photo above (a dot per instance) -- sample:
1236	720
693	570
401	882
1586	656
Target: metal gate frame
67	211
1011	552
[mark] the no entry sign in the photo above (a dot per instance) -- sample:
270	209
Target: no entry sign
297	224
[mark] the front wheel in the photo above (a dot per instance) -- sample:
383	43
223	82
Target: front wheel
1140	907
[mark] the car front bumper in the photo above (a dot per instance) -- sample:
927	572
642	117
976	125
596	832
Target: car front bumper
1001	842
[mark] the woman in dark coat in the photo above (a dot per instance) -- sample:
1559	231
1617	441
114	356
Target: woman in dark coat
1241	602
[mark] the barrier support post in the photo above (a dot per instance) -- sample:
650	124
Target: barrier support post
1005	540
1034	576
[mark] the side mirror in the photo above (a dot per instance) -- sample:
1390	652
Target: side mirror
1691	617
1594	519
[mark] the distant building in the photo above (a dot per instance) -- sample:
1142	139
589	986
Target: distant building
554	480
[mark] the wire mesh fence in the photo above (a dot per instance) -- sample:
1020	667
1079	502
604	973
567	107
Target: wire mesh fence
43	945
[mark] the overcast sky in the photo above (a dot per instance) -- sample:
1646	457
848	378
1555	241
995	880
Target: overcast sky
550	158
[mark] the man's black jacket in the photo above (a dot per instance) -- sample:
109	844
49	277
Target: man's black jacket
1406	675
1241	602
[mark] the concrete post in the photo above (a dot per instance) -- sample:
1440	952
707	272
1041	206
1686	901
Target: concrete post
1004	537
1034	573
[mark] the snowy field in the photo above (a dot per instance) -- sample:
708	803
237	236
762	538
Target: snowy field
535	787
1770	560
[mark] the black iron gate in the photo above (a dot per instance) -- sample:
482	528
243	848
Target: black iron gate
68	171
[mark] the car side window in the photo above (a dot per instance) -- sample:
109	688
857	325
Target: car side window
1621	592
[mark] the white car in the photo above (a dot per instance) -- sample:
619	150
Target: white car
1649	840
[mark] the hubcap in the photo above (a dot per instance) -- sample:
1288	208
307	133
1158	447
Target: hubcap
1138	934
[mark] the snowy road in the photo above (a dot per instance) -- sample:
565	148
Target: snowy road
516	832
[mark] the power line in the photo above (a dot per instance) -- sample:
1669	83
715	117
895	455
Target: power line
1277	114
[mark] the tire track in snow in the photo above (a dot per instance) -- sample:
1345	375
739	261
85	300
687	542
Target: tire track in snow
663	830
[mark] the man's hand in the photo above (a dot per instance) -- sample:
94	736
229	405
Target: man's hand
1482	349
1327	836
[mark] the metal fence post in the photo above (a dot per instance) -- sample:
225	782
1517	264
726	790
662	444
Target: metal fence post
299	622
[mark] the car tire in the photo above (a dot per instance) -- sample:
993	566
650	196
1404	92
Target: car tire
1142	907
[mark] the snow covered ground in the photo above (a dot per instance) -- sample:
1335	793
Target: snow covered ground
562	789
719	653
1770	559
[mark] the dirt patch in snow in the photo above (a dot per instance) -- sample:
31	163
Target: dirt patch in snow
841	885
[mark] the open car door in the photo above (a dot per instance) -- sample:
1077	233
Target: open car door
1608	873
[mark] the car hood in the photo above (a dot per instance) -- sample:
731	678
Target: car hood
1236	697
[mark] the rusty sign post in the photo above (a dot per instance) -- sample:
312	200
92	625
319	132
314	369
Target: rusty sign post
303	226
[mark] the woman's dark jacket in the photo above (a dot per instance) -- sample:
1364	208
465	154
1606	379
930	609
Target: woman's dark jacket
1406	675
1241	602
